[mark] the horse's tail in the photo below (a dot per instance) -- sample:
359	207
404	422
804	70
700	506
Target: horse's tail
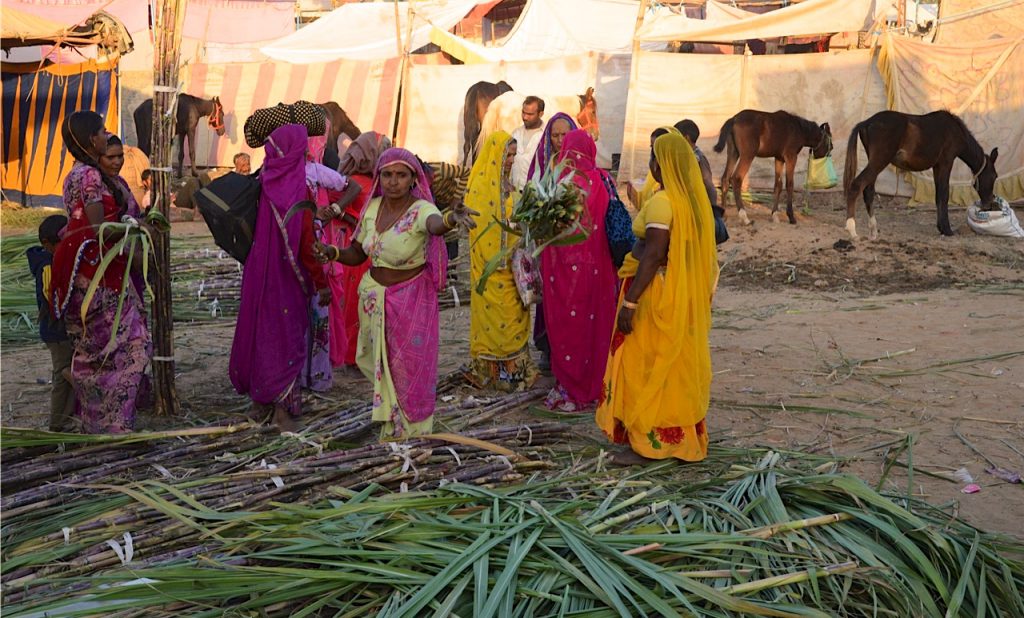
143	115
850	170
724	134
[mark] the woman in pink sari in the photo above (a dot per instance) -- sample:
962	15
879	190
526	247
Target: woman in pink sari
580	289
402	234
281	273
322	184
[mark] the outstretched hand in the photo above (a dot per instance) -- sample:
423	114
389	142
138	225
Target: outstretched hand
462	216
321	252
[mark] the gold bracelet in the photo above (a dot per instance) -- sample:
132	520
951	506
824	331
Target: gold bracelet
629	305
337	253
446	221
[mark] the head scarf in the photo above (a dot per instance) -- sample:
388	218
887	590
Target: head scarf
283	176
484	193
401	156
362	154
684	313
580	151
545	150
651	185
317	145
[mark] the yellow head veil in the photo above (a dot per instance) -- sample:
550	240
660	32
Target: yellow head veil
651	185
683	315
484	194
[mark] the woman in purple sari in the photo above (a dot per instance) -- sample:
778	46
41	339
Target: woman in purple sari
402	233
580	287
281	273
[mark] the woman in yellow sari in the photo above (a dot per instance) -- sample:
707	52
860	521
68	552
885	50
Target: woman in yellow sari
499	324
658	380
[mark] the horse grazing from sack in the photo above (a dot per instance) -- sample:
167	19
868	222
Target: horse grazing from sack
915	143
190	110
780	135
478	98
340	123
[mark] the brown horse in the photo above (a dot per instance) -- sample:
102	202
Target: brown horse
478	98
190	110
781	135
915	143
340	123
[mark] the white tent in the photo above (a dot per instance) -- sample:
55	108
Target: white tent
804	18
553	29
367	31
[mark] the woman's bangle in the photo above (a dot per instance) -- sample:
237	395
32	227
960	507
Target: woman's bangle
446	221
337	253
629	305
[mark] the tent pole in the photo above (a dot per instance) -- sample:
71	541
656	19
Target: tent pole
403	80
168	23
634	69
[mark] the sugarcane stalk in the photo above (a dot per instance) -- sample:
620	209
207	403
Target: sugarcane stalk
168	23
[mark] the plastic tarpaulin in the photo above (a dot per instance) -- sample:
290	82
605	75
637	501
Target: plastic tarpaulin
367	92
804	18
841	88
552	29
366	31
981	82
431	123
964	21
35	102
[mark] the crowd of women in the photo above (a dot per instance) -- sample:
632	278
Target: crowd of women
353	280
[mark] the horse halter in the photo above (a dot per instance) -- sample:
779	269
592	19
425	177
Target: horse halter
216	120
984	164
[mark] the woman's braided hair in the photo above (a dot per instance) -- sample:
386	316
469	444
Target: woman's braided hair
78	129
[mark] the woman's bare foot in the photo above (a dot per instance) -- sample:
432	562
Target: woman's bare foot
284	421
629	458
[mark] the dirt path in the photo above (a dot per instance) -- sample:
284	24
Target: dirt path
879	352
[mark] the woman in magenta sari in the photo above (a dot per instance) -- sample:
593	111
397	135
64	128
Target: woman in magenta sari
544	159
580	289
281	273
402	233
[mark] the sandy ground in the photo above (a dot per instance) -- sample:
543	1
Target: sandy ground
877	352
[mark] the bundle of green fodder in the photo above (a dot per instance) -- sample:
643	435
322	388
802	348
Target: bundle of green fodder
776	538
61	506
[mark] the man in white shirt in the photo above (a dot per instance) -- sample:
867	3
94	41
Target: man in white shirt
527	138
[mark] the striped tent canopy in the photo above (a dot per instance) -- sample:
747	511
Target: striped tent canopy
35	102
366	90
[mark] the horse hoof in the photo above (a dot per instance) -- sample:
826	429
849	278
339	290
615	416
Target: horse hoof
744	218
775	217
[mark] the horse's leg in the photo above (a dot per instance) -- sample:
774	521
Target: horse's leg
869	198
192	149
181	153
742	167
777	190
790	170
726	175
941	173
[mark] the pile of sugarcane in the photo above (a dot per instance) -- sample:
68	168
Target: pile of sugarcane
772	537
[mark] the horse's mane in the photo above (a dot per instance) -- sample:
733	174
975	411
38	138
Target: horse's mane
808	126
969	140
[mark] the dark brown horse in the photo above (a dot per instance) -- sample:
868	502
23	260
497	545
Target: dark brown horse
190	110
478	98
340	123
915	143
781	135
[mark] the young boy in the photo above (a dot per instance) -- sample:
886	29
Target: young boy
51	331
